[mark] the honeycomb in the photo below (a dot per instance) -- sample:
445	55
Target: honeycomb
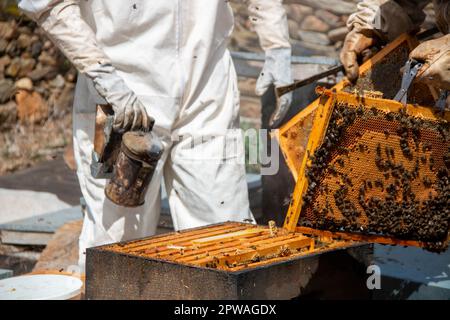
384	76
296	139
381	173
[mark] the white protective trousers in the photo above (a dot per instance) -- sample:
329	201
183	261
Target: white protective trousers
173	55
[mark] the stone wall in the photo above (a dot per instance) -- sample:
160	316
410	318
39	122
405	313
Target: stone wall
36	94
315	26
35	79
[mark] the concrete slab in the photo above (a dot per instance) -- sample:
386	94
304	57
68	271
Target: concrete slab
5	273
412	273
48	222
49	176
22	204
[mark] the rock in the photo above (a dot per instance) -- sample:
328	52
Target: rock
25	30
43	72
331	19
63	104
26	66
3	45
337	34
8	115
344	19
69	157
71	75
24	84
4	62
297	12
293	29
303	48
31	107
7	30
58	82
13	68
6	90
36	49
12	49
312	23
20	67
47	45
335	6
24	41
314	37
46	59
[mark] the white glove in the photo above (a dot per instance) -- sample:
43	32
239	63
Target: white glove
276	72
270	22
62	21
129	112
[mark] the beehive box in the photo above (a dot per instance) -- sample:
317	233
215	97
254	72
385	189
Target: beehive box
225	261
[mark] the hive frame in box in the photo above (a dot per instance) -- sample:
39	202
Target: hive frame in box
133	269
291	147
322	116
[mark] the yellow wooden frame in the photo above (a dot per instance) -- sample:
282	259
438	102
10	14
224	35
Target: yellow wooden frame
324	110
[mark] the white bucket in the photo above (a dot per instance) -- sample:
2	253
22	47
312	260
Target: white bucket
40	287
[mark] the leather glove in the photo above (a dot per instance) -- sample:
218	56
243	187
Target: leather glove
357	47
435	54
62	21
276	72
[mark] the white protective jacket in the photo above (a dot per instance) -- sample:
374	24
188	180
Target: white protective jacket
173	55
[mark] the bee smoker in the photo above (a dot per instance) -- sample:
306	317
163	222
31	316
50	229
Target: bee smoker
127	159
136	162
106	143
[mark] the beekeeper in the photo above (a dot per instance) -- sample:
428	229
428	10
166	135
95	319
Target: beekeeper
166	60
381	21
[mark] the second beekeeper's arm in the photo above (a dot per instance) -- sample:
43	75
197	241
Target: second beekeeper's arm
378	21
62	21
270	22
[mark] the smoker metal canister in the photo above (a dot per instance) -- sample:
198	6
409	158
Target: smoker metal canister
134	168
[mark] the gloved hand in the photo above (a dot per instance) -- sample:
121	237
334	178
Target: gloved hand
62	21
357	46
435	54
277	72
129	112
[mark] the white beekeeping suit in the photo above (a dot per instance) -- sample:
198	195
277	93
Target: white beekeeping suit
384	20
166	60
